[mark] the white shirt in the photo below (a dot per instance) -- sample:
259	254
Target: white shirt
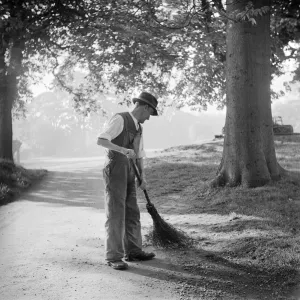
116	126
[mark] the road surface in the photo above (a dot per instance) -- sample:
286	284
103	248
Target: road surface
52	242
52	248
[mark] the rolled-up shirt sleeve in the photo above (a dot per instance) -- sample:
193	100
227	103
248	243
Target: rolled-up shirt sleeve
113	128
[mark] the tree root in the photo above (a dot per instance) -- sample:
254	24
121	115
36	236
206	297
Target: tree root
218	181
293	176
223	179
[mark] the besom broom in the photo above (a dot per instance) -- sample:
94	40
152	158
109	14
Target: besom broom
162	234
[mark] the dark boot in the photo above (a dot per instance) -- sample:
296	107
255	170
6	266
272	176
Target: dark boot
141	255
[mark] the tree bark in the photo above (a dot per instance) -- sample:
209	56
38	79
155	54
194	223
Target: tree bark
249	157
10	69
5	110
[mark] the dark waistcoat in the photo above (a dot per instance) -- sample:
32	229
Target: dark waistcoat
129	137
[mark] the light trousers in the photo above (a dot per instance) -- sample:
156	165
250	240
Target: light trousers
122	227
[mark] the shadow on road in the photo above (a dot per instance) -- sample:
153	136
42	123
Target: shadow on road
76	188
212	275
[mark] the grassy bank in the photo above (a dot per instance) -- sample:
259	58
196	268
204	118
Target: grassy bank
15	179
255	230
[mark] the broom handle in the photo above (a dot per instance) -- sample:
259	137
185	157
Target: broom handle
137	173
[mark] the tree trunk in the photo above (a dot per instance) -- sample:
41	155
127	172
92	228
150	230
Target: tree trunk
5	125
249	155
5	110
9	72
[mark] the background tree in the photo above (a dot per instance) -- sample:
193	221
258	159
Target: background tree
53	128
26	28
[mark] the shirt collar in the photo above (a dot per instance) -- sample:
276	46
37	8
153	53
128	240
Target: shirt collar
135	121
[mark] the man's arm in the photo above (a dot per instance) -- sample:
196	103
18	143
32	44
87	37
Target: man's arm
112	130
111	146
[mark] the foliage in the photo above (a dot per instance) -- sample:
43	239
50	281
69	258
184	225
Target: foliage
31	25
138	51
15	179
176	49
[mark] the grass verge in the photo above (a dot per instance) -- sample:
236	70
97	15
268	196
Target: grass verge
255	229
14	179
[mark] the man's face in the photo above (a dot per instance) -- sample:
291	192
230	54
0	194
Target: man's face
147	112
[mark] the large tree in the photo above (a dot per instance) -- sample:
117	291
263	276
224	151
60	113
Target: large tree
249	154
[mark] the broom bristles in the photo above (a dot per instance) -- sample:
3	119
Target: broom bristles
164	234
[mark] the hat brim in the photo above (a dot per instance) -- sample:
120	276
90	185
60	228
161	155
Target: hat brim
134	100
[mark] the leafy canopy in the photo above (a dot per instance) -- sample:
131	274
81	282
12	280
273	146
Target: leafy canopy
176	49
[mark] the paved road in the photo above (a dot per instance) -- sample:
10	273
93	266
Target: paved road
52	242
73	181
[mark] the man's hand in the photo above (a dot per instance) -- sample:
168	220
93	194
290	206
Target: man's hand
143	185
129	153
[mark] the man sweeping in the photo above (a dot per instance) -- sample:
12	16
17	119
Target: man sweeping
124	140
